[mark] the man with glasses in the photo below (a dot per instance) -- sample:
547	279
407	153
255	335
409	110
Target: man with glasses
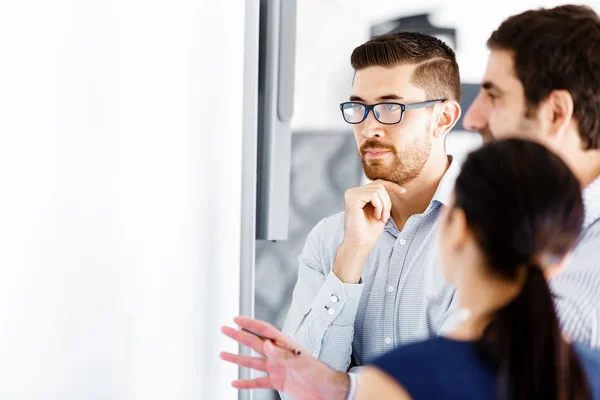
368	277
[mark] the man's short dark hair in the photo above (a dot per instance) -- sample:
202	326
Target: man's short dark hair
436	73
557	49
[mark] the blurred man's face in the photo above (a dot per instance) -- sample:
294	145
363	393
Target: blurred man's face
499	110
395	153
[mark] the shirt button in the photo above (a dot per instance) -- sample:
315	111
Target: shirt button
331	311
316	355
388	340
390	289
334	298
402	242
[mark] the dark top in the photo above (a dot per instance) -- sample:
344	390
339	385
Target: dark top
442	368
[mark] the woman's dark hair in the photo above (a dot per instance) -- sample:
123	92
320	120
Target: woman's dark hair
524	207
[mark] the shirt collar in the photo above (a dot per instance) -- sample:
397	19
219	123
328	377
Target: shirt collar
442	194
591	202
444	190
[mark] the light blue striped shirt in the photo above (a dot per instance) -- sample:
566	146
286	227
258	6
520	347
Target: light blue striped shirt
402	297
577	288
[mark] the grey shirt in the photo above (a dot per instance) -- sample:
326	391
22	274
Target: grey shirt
577	288
402	296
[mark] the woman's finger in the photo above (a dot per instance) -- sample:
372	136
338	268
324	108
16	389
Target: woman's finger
257	383
256	363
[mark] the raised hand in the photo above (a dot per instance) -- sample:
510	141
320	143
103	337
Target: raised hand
368	208
299	376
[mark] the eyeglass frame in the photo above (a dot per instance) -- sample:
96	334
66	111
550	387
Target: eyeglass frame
404	107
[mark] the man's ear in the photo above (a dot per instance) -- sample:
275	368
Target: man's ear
447	118
559	111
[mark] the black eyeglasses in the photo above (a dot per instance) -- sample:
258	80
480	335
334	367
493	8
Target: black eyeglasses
386	113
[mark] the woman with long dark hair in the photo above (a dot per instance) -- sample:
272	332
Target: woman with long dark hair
516	214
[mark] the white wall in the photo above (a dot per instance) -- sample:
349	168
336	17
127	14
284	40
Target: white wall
120	197
328	31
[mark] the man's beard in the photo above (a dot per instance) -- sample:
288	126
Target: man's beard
403	168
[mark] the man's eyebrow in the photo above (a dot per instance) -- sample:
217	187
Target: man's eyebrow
390	96
488	85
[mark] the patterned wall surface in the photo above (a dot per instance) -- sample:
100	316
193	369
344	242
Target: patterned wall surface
324	166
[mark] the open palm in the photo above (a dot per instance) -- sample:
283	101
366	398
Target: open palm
299	376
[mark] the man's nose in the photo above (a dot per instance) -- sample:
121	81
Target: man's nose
476	119
372	127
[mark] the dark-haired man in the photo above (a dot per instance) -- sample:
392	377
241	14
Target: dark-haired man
542	83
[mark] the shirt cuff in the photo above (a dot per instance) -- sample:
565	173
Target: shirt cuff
353	380
337	302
